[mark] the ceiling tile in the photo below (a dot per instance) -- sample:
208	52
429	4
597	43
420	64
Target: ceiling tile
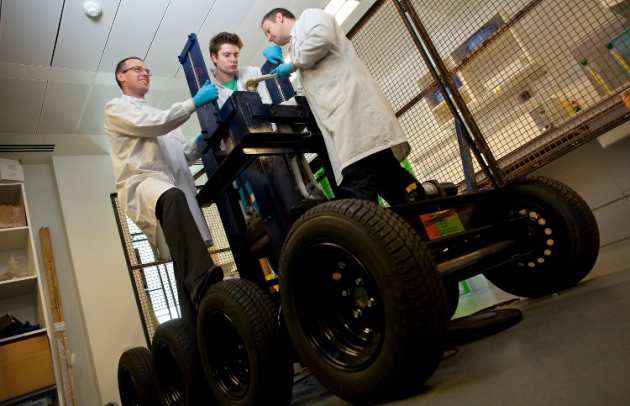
182	18
224	16
91	121
63	105
249	29
28	29
20	104
81	39
128	36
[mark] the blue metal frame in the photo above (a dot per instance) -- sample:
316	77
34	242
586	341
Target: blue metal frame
258	153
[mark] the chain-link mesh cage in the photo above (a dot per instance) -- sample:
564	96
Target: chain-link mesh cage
534	74
220	249
153	280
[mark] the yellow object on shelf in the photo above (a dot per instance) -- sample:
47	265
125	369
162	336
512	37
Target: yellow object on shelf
596	76
619	58
567	107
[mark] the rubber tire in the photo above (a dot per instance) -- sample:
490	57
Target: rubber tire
255	318
409	287
136	375
575	232
451	287
177	366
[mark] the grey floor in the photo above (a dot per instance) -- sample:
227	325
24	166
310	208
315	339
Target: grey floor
571	348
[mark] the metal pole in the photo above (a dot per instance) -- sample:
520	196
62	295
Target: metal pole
114	199
453	98
464	152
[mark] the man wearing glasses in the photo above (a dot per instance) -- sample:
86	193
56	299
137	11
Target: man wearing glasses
155	187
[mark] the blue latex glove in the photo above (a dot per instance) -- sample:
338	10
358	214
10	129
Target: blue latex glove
206	94
274	54
284	70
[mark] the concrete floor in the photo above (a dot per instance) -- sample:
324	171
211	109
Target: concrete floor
571	348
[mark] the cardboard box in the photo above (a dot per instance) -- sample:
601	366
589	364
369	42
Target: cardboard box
11	171
12	216
25	366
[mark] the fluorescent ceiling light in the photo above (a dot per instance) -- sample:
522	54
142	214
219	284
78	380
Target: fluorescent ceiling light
341	9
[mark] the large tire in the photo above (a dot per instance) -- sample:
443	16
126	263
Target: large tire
244	353
451	287
363	302
563	233
177	366
136	380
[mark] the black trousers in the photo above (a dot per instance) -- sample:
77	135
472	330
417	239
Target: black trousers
194	269
380	174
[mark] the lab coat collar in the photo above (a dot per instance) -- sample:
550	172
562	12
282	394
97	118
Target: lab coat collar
134	100
293	29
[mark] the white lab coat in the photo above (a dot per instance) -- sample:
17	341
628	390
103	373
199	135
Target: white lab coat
354	116
149	156
244	74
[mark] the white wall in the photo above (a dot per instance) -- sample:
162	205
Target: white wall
602	177
44	209
111	317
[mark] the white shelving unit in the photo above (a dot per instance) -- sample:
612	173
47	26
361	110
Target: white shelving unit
503	70
21	289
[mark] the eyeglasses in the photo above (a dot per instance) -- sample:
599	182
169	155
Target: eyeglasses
138	69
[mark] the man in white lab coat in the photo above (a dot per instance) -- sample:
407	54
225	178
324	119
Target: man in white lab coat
155	187
225	49
364	140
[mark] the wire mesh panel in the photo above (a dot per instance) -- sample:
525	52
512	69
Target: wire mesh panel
220	249
534	74
154	281
387	48
390	55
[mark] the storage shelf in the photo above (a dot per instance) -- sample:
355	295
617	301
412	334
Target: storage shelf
18	286
19	400
508	88
13	238
22	336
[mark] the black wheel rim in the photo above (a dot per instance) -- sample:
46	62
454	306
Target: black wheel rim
339	306
227	356
546	236
170	378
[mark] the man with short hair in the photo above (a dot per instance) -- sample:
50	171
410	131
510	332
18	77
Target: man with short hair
150	160
364	139
225	49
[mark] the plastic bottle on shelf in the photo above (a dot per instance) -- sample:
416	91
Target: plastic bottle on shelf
619	58
596	76
16	265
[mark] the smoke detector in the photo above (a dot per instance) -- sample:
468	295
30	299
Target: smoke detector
92	9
